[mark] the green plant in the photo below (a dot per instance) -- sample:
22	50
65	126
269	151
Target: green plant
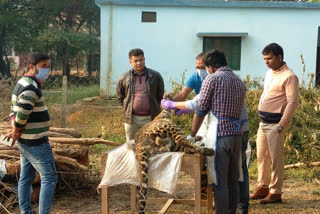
302	142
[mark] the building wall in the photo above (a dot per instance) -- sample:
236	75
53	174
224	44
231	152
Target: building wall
171	44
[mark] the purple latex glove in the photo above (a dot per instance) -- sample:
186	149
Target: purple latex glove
180	112
168	104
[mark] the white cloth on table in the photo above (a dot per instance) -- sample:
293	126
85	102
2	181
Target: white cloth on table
123	168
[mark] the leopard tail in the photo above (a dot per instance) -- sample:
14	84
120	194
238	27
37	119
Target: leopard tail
143	188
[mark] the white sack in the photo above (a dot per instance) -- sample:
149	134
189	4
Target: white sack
123	168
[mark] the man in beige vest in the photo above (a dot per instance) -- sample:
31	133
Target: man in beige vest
277	104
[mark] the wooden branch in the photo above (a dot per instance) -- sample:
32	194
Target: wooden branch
81	155
5	127
66	160
4	147
13	168
3	156
12	152
69	131
297	165
59	135
83	141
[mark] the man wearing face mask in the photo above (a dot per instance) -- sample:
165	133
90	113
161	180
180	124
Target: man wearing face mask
194	82
30	122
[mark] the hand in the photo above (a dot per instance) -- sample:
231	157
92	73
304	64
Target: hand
191	139
168	104
200	143
14	134
279	128
180	112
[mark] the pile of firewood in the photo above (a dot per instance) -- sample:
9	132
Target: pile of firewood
70	152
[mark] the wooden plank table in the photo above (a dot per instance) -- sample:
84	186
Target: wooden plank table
192	165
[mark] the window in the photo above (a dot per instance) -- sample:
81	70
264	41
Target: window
148	16
231	46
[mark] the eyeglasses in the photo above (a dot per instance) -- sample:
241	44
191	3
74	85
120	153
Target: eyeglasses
201	68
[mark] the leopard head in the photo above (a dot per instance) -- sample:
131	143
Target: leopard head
165	113
168	96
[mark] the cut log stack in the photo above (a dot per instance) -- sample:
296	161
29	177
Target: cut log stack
69	149
70	152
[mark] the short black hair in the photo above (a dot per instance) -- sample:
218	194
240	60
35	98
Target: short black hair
200	55
36	57
136	52
215	59
273	48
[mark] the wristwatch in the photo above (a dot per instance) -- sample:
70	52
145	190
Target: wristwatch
280	128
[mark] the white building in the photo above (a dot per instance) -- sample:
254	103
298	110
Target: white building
173	32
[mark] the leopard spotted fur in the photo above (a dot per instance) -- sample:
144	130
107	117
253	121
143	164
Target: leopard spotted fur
160	135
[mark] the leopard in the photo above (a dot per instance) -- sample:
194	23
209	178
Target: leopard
159	136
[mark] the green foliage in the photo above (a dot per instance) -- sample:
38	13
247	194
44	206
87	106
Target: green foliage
302	142
65	29
303	174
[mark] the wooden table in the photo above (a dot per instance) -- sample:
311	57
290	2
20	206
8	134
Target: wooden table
192	165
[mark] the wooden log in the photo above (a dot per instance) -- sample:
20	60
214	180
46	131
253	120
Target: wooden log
81	155
5	127
66	160
12	152
4	147
83	141
4	156
13	168
59	135
69	131
297	165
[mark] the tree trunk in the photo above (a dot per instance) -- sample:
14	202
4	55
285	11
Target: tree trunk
4	69
66	66
90	64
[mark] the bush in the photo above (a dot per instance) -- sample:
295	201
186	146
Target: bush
302	143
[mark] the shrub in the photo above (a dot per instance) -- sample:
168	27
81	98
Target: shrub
302	143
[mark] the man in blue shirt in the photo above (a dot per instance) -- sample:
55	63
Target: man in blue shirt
194	82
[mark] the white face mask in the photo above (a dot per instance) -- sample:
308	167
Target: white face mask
202	73
43	74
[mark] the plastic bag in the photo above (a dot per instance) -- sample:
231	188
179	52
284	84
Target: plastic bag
122	168
3	169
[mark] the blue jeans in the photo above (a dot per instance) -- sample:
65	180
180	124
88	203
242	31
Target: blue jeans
36	158
243	205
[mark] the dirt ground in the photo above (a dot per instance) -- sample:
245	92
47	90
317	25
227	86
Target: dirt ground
297	198
72	197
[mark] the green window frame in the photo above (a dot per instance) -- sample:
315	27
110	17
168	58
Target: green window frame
231	46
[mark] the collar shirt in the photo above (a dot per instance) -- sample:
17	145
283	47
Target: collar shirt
223	94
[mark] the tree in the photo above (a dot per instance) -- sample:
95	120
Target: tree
65	28
13	28
72	28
